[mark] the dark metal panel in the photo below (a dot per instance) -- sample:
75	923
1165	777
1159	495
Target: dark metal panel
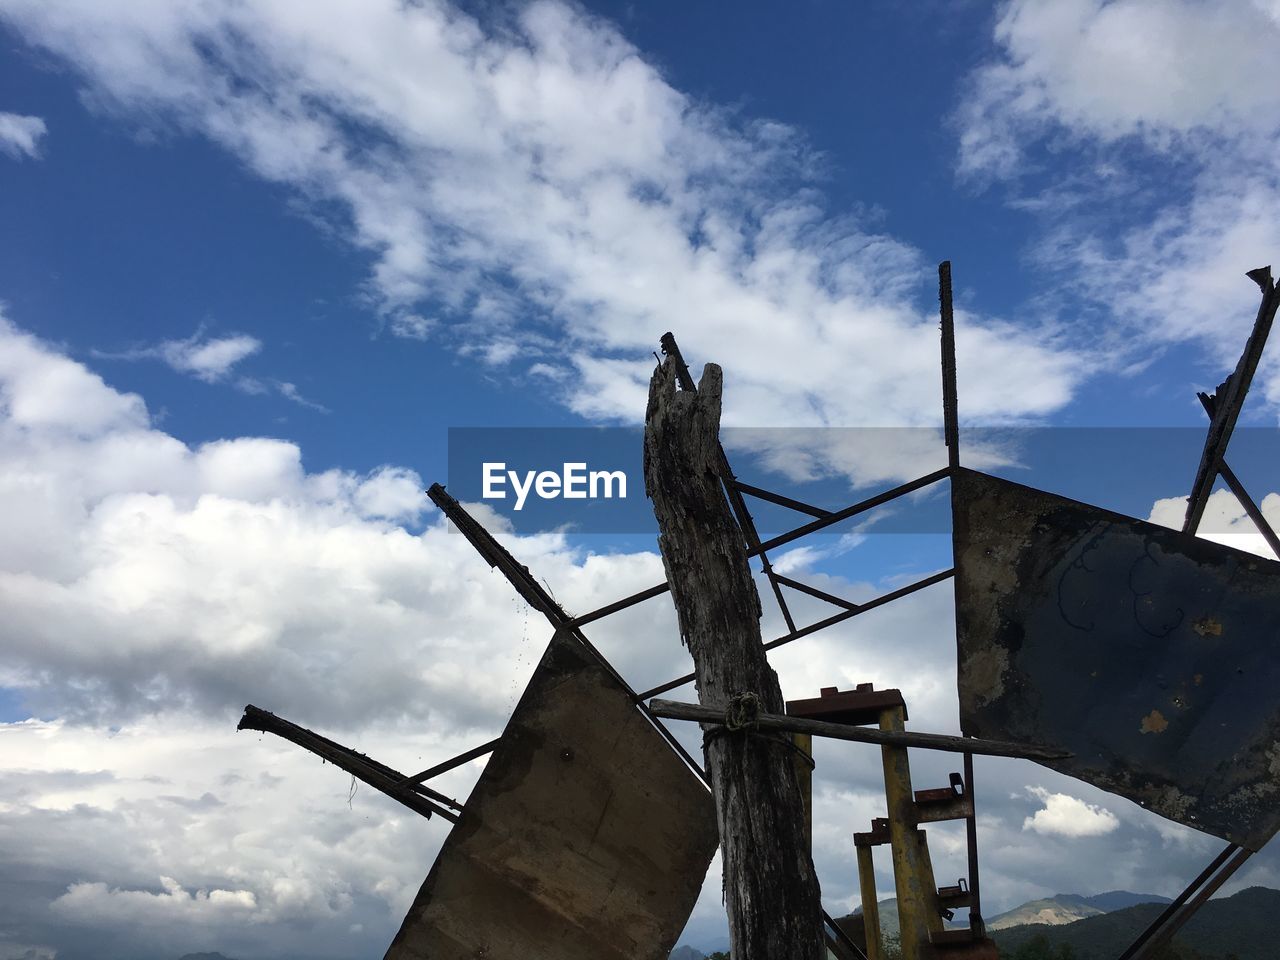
585	838
1151	655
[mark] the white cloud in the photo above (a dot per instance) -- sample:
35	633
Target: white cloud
1143	135
1224	520
412	326
1161	71
291	392
151	589
213	360
96	903
20	136
42	390
1068	816
209	360
538	188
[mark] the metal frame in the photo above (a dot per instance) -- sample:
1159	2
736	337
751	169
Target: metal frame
1223	409
533	592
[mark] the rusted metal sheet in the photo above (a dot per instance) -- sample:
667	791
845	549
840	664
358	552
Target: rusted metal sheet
585	838
1150	655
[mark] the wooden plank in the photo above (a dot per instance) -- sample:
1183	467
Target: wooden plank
711	713
586	837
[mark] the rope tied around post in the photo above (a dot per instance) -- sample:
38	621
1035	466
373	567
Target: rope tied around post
741	712
741	715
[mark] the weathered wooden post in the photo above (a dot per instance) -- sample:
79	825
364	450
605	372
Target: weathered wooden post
770	888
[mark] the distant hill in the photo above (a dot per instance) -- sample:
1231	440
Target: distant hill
687	953
1239	925
1119	899
1069	907
889	925
203	956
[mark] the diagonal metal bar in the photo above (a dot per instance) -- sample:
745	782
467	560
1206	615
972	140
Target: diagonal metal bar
861	507
1159	922
1242	496
815	592
457	761
1228	400
541	600
839	942
375	774
1178	920
611	608
798	505
1250	507
869	605
822	624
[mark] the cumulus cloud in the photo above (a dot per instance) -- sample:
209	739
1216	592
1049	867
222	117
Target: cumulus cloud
152	588
1068	816
533	185
20	136
96	902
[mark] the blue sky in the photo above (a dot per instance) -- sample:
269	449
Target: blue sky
257	260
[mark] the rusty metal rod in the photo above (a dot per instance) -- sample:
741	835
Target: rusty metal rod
815	592
457	761
950	404
839	942
1250	507
1229	398
1176	923
611	608
861	507
540	599
794	534
1237	488
976	923
675	710
863	608
798	505
1177	902
822	624
375	774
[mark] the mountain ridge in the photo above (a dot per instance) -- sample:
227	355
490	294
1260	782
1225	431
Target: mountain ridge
1238	927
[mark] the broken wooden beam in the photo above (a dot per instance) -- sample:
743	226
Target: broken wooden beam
1227	401
771	892
419	799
